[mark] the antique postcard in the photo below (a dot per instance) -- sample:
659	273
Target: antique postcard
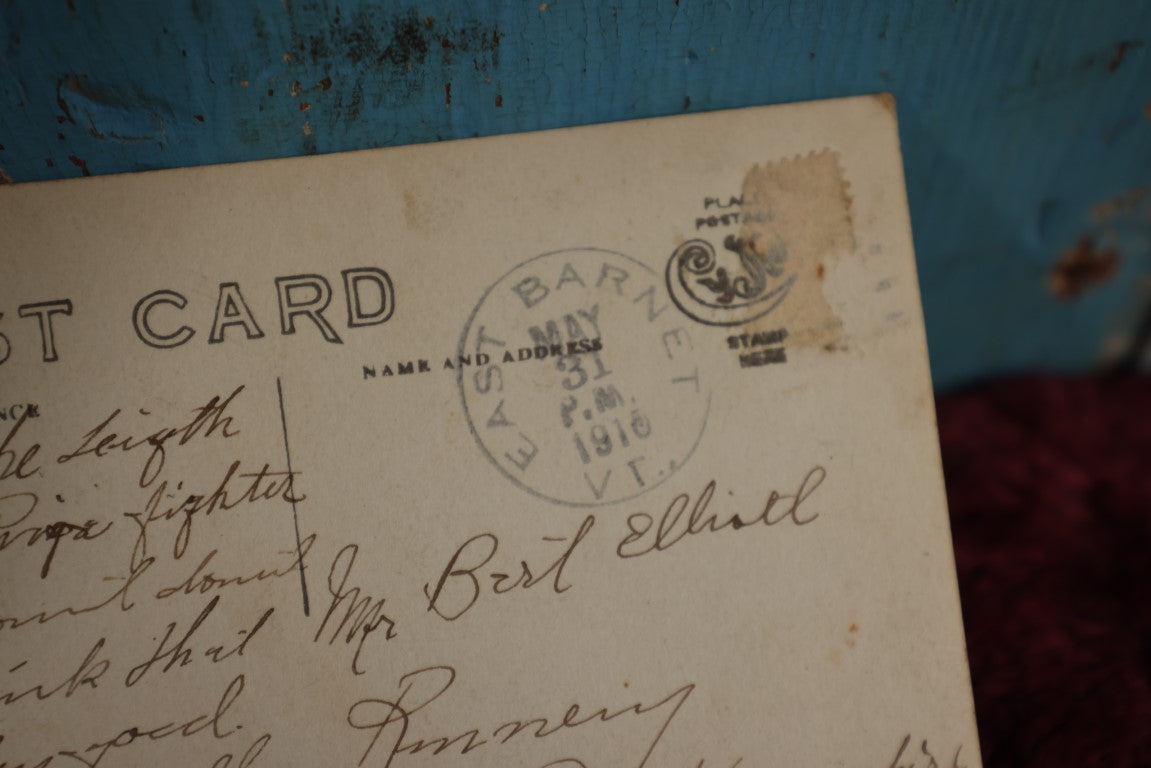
607	446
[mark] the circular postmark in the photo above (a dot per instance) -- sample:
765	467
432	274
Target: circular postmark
578	380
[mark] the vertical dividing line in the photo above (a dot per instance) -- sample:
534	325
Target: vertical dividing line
295	515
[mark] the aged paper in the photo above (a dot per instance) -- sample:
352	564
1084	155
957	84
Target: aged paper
611	446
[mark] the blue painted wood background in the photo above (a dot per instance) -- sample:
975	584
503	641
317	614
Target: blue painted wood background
1026	126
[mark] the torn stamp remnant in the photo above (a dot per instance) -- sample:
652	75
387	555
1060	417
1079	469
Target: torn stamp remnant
795	220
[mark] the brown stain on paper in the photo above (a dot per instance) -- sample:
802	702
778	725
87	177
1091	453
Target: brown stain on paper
415	216
886	100
836	655
803	204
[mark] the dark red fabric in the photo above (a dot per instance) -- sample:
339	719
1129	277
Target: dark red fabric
1049	483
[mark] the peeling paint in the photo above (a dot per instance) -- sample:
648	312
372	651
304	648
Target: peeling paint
81	164
1055	74
108	112
401	41
1081	267
1121	51
124	89
1119	205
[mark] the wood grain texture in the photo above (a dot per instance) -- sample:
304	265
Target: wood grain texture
1026	126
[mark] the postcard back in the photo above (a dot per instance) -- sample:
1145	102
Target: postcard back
610	446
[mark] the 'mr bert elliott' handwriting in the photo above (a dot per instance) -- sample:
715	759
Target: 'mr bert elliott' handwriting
458	587
362	615
645	535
